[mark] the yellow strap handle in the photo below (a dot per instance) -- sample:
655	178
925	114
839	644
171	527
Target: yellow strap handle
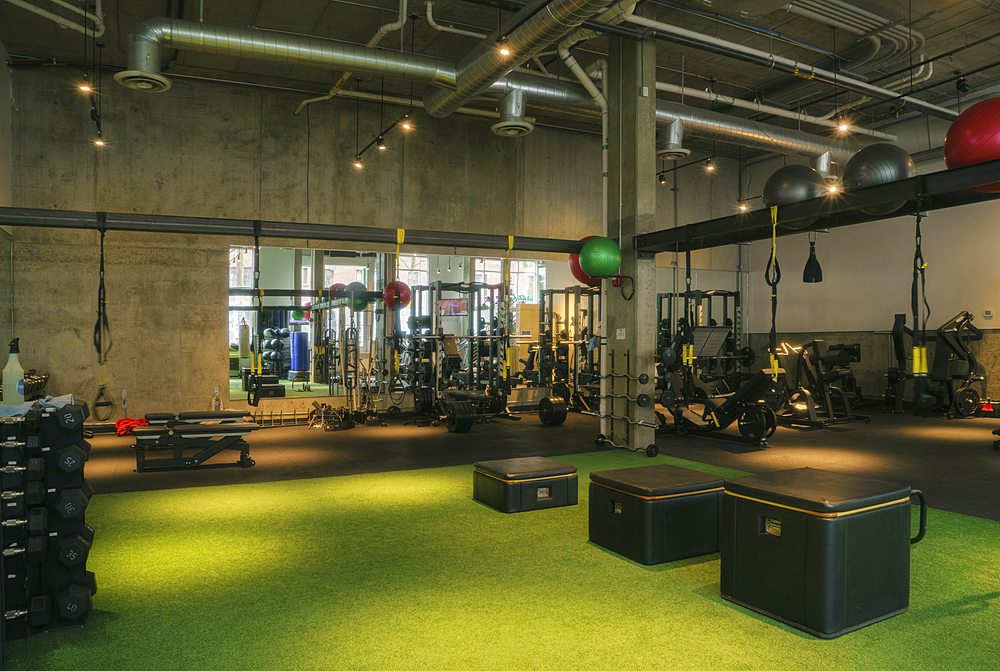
774	367
920	360
506	272
400	237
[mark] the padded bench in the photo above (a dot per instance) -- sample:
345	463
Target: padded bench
524	483
655	514
189	431
824	552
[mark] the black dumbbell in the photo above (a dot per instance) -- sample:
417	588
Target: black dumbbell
91	582
71	459
74	602
72	416
30	443
35	469
14	503
73	550
37	521
39	612
72	502
34	551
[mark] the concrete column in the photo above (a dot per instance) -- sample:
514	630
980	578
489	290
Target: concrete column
630	310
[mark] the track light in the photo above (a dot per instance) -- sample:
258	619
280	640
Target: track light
962	86
710	165
743	206
812	273
663	178
99	142
842	125
439	270
357	162
405	123
85	87
833	188
380	143
503	44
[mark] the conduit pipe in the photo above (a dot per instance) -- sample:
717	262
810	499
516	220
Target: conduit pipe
382	32
447	29
484	64
96	18
739	51
876	43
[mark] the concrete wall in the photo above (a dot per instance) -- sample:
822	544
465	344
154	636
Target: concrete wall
6	290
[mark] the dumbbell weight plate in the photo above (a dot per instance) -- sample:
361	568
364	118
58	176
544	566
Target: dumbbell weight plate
552	410
642	400
643	378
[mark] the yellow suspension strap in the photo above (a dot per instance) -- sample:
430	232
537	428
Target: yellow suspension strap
103	405
922	401
400	237
772	275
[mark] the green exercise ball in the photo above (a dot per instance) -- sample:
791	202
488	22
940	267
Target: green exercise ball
600	257
360	295
298	314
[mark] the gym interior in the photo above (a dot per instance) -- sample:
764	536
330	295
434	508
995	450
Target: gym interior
471	334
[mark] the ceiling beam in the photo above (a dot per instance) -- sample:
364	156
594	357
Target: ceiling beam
938	190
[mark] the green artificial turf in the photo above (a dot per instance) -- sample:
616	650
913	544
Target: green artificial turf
405	570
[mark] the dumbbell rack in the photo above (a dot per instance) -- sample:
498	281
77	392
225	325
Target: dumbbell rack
45	541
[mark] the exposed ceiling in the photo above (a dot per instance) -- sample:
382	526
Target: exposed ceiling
960	28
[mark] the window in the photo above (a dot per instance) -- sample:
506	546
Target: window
240	277
527	278
414	271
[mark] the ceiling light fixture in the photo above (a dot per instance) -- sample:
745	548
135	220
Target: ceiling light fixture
842	125
710	165
405	123
503	44
380	143
357	162
833	188
743	206
663	178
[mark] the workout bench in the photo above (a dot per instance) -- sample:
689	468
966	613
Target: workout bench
185	431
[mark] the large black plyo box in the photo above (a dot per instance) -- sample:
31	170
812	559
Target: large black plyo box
824	552
655	514
524	483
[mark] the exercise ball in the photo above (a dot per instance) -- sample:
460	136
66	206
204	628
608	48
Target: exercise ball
600	257
298	315
360	301
338	286
878	164
974	137
283	333
574	267
791	184
391	290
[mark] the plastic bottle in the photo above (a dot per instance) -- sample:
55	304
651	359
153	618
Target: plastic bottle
13	377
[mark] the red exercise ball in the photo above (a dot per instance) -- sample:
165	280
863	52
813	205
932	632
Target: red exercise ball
974	137
391	290
339	286
574	267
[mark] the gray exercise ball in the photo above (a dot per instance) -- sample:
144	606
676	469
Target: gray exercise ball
791	184
878	164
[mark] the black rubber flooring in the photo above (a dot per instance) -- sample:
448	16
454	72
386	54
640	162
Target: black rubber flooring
952	461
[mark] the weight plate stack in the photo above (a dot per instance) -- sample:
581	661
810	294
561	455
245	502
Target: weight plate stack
552	410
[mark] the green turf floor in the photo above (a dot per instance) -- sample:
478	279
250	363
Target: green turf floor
405	570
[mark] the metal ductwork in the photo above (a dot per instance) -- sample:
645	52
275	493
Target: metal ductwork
709	125
512	122
150	37
669	141
537	26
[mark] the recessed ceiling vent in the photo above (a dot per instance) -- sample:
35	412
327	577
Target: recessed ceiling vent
668	141
672	153
137	80
512	122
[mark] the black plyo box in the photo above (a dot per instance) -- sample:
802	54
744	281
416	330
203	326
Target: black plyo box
524	483
826	553
655	514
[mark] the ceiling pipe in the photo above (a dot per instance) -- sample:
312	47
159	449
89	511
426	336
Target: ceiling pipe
149	37
97	17
536	28
429	6
707	43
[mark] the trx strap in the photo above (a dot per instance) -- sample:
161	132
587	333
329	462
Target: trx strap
400	237
772	275
258	299
687	353
103	405
922	402
506	269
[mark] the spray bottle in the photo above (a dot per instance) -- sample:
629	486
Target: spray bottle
13	377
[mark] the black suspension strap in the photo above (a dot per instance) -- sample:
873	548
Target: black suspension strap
922	401
258	299
772	275
103	405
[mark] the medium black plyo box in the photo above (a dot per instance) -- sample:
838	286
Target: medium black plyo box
826	553
655	514
524	483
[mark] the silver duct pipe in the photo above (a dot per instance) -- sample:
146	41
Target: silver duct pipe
822	165
149	37
710	125
484	64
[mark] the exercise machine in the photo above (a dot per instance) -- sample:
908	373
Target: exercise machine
816	396
189	431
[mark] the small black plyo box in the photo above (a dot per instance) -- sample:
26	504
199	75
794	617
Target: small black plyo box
824	552
524	483
655	514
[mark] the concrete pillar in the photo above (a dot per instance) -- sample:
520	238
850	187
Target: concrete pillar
630	310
